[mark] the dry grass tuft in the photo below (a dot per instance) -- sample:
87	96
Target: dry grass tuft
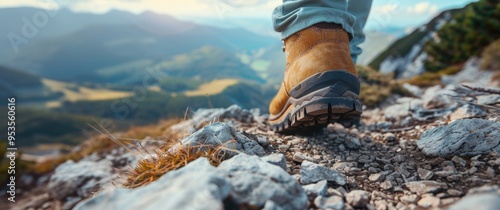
496	79
105	142
163	161
157	131
376	86
490	58
428	79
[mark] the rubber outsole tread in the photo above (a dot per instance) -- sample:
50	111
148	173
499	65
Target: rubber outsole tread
302	121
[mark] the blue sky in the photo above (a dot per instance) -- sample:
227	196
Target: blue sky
409	13
385	13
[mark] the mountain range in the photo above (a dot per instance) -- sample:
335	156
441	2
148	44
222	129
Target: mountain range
74	49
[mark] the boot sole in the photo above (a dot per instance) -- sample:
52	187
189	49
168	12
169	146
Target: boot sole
327	97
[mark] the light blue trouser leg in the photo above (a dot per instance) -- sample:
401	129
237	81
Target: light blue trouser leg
295	15
360	9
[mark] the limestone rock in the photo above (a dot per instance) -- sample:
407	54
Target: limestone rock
436	97
484	189
277	159
179	189
466	137
489	201
255	181
203	116
221	134
311	173
78	179
244	179
317	189
402	108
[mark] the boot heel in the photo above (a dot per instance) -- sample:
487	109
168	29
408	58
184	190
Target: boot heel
323	98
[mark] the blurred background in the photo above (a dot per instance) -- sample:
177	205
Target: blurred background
129	63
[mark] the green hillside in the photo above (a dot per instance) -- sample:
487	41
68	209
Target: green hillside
160	105
402	46
42	126
16	78
472	30
24	86
206	64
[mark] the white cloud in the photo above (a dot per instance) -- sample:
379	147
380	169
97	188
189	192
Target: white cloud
249	8
173	7
243	3
31	3
423	7
387	8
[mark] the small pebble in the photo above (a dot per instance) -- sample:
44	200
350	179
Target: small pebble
388	167
376	177
386	185
425	174
459	161
429	201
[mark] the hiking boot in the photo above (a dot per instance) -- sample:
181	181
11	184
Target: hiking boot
320	85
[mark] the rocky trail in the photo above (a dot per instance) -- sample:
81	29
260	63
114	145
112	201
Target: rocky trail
437	151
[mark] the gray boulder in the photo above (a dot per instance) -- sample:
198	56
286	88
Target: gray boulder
203	116
465	137
311	173
256	182
402	108
436	97
79	179
489	201
198	185
244	179
221	134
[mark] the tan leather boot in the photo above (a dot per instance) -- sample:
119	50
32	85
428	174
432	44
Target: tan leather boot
320	84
